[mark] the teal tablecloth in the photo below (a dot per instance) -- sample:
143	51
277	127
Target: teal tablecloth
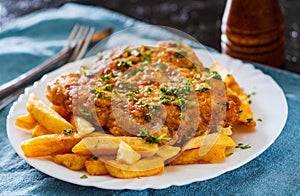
38	36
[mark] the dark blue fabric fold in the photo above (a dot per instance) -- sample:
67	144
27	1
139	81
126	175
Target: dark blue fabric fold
32	39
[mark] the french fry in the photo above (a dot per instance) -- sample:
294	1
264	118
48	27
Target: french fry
49	145
95	167
26	122
144	167
215	155
109	145
40	130
209	140
46	116
71	161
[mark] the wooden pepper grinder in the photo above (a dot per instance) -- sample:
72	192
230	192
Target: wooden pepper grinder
253	30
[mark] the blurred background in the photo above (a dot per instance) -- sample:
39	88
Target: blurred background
199	18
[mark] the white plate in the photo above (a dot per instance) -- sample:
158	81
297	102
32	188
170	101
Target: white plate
268	95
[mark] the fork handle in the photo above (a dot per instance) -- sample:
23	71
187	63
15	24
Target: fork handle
34	74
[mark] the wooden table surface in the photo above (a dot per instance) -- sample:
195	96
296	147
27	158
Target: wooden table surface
199	18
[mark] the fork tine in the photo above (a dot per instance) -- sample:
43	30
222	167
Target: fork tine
81	34
86	42
71	37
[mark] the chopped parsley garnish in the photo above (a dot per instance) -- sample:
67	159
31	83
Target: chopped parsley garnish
98	93
106	78
242	146
84	176
135	90
107	96
197	129
93	158
180	54
249	120
251	94
87	73
214	75
168	91
197	76
108	87
128	52
225	103
166	100
148	117
68	131
181	103
240	111
156	107
229	154
203	87
180	115
115	91
188	81
136	52
185	89
157	139
259	119
143	133
149	89
84	112
124	63
146	58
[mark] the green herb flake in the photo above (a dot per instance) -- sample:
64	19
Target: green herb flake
166	100
146	58
108	87
180	115
128	52
168	91
203	87
115	91
107	96
68	131
124	63
249	120
180	54
87	73
249	101
84	176
242	146
197	76
229	154
225	103
98	93
181	103
135	90
84	112
259	119
157	139
143	133
93	158
215	75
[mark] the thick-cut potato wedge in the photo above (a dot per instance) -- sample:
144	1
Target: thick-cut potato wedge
95	167
215	155
83	127
209	140
71	161
109	145
40	130
167	152
49	145
126	154
46	116
26	122
144	167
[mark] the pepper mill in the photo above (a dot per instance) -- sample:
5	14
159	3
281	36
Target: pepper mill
253	30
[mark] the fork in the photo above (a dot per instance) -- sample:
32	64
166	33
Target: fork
75	48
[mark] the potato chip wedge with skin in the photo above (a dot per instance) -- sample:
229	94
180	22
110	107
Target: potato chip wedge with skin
209	140
40	130
215	155
71	161
144	167
49	145
26	122
167	152
109	145
46	116
95	167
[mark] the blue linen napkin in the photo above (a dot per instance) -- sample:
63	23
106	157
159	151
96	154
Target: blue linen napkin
33	38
